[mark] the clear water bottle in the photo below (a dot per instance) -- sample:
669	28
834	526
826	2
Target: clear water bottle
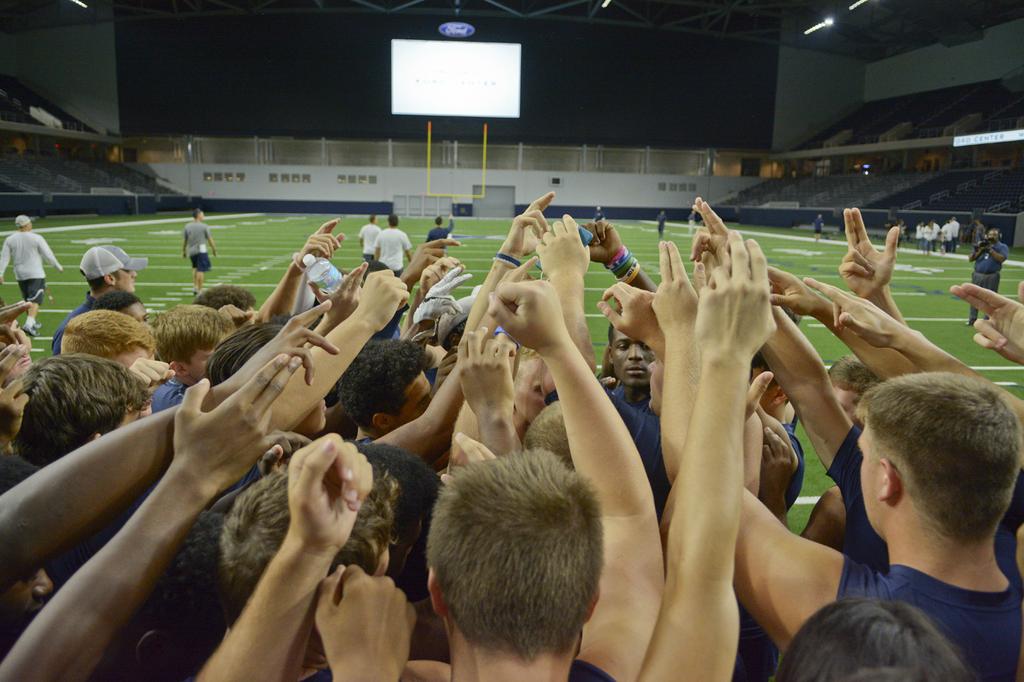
322	272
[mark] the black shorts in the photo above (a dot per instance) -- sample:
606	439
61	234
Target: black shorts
32	290
201	262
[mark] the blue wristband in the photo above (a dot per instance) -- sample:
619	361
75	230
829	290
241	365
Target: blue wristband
505	258
501	330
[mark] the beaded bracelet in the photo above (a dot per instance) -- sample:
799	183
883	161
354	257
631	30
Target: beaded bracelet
509	260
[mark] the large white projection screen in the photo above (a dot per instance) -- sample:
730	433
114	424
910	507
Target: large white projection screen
441	78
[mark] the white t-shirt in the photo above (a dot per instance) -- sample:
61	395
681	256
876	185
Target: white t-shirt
393	243
954	229
368	233
919	232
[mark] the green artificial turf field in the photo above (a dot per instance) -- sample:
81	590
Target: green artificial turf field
254	249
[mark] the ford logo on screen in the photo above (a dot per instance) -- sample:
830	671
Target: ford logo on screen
456	29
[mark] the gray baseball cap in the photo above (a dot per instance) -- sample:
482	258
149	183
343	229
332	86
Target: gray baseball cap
22	221
104	260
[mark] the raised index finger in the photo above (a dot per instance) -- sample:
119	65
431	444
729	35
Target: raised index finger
833	293
711	219
328	227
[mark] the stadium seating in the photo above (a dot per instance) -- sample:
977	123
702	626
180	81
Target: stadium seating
835	191
51	174
928	114
15	100
994	191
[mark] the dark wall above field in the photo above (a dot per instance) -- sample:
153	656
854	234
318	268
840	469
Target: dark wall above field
329	75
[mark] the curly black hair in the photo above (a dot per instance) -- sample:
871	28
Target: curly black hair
116	301
418	485
378	377
224	294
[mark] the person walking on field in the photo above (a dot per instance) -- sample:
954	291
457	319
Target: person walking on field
28	249
197	237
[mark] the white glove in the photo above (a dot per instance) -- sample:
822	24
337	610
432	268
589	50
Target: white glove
439	300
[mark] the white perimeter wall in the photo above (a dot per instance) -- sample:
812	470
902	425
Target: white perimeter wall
606	189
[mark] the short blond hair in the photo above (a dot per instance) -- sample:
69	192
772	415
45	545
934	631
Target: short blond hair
185	329
106	334
516	548
547	432
960	477
851	374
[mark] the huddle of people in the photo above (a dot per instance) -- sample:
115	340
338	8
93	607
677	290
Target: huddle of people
931	237
384	481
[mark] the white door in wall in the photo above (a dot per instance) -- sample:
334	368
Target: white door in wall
400	205
499	202
418	205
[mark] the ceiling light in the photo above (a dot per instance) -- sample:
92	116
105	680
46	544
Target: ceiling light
857	4
828	22
80	3
605	3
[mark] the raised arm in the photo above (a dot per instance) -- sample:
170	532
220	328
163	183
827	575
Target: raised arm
609	250
618	633
321	244
565	262
866	270
327	482
80	493
212	450
698	625
801	374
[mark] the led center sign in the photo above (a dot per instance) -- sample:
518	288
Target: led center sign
988	138
456	29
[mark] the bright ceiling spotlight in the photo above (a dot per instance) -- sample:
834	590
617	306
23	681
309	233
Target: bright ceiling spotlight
857	4
828	22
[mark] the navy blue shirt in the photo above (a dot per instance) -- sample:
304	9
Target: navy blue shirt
620	394
863	545
438	233
661	221
818	224
986	264
645	428
168	395
58	335
986	626
796	483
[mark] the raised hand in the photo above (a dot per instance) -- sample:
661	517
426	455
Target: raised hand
778	464
734	318
529	311
439	299
294	339
9	313
219	446
789	291
486	372
633	313
344	300
238	317
327	483
675	302
151	373
866	270
436	272
606	244
12	399
527	228
466	451
285	444
1003	332
365	623
383	294
714	238
860	316
758	386
426	254
322	243
561	251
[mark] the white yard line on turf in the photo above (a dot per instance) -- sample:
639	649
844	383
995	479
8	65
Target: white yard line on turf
130	223
806	501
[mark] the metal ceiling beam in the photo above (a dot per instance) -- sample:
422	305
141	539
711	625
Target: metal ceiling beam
504	8
555	8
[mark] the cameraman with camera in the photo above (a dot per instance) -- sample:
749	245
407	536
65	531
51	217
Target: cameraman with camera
988	258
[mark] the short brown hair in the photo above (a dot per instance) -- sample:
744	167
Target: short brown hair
106	334
258	521
516	547
185	329
547	432
71	397
853	375
226	294
962	477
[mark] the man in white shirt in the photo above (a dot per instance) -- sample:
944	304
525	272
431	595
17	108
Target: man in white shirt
368	238
28	250
391	245
951	234
932	234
